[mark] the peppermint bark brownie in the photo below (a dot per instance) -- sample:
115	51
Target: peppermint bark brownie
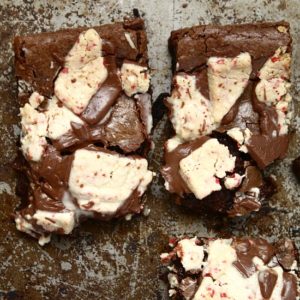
86	120
230	108
236	269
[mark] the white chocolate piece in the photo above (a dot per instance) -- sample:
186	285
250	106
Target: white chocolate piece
35	99
59	119
191	254
173	143
191	111
34	129
242	136
227	79
202	169
53	221
274	87
135	79
233	181
83	72
102	182
278	66
225	277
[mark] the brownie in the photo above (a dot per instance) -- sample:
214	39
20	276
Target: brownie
231	87
249	268
86	121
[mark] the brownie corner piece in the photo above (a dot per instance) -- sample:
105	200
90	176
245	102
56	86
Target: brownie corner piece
85	109
230	107
249	268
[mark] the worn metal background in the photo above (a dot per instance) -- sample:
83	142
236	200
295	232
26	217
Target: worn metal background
120	260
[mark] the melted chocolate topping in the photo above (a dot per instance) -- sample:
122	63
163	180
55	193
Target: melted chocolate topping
123	129
105	98
171	169
51	173
267	147
247	249
239	201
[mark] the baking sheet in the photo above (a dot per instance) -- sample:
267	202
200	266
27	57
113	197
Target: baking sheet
121	259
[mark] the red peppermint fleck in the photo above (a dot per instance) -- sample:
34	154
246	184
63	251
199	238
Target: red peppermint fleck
217	180
221	61
133	87
65	70
172	240
223	295
274	59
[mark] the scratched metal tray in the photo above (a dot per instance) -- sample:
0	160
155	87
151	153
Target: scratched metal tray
120	260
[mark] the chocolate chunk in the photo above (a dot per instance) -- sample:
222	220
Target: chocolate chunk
265	149
105	98
285	253
188	287
289	289
124	128
52	172
253	178
267	280
247	249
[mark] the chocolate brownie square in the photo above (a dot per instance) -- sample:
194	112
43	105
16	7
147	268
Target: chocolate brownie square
230	108
235	268
86	123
